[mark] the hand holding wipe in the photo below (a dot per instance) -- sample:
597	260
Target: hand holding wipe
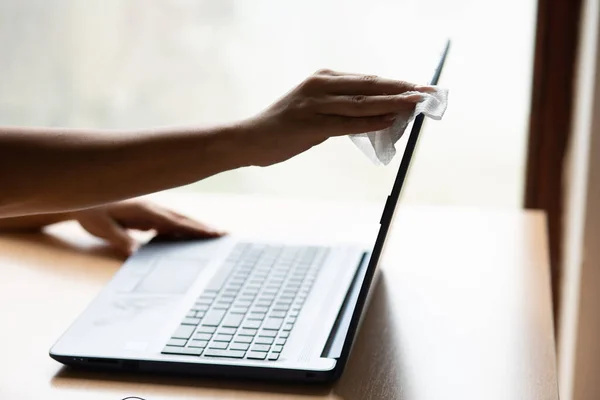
379	146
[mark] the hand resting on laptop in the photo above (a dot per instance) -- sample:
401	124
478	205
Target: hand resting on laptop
111	223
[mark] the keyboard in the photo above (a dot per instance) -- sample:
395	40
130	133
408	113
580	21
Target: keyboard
251	305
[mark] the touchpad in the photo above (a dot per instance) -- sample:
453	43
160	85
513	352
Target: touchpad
170	276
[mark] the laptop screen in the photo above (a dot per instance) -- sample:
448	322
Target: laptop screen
366	272
392	200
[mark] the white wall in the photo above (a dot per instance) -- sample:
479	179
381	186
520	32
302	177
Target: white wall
579	332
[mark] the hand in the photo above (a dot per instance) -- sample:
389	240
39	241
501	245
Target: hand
326	104
111	222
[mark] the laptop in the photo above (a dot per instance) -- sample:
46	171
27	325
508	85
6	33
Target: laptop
235	308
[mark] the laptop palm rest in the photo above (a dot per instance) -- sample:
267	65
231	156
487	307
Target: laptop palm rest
340	332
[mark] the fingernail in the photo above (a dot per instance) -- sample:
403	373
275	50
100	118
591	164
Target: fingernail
425	88
414	97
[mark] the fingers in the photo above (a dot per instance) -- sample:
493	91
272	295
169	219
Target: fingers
339	125
103	226
355	85
368	106
167	222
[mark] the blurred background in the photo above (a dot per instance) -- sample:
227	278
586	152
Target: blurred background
134	64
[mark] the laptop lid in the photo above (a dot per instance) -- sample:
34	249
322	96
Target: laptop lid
348	322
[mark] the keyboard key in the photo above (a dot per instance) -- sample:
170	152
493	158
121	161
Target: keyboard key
201	307
191	321
206	329
223	303
284	335
280	341
239	310
277	349
184	332
223	338
264	340
209	294
185	351
256	355
268	333
191	314
177	342
291	320
239	346
260	309
254	324
198	343
264	303
261	347
233	320
257	316
218	345
242	303
272	323
224	353
277	314
244	339
247	332
200	314
288	327
273	357
213	318
294	313
281	307
203	336
227	331
204	301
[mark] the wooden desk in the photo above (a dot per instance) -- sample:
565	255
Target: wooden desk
462	311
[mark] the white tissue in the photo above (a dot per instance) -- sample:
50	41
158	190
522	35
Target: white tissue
379	146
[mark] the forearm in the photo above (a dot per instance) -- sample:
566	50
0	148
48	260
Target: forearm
56	170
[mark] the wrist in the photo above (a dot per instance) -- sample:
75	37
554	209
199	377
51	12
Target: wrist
237	144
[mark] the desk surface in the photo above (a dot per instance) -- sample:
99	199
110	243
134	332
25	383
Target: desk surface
462	310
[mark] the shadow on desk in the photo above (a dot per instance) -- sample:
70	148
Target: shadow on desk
370	373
